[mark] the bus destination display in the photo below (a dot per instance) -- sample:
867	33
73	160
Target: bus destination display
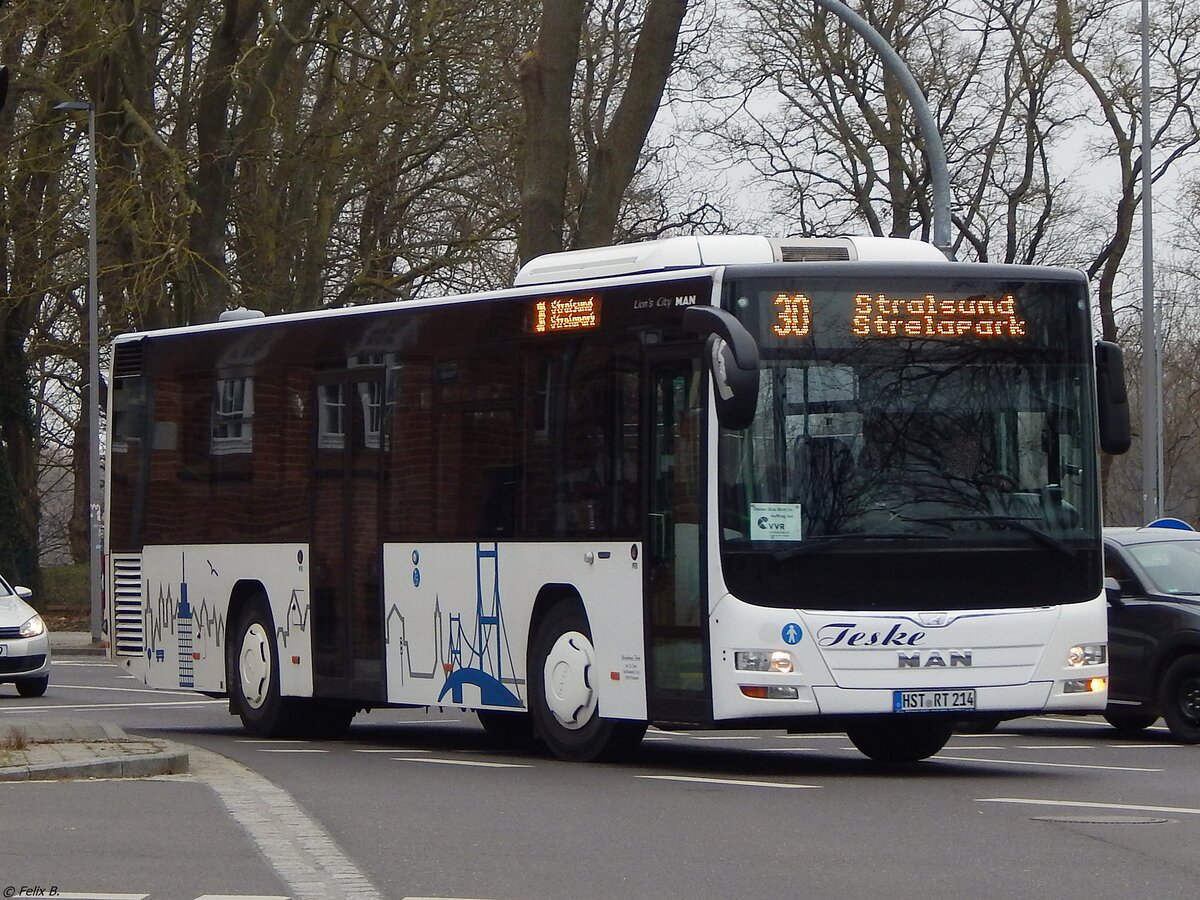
929	316
566	314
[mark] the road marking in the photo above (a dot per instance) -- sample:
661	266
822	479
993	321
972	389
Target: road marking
92	895
238	897
155	691
1084	804
388	750
478	763
980	747
302	853
726	737
1054	747
290	750
1148	746
173	703
1021	762
268	741
830	736
729	781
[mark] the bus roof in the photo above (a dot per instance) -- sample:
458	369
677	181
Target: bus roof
715	250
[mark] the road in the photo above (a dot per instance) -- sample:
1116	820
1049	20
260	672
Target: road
418	804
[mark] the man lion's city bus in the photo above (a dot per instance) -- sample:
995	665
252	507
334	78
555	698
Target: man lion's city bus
706	482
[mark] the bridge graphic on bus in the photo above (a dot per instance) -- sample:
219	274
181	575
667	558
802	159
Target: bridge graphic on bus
476	654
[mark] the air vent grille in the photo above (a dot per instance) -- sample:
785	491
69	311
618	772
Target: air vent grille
127	360
129	638
813	254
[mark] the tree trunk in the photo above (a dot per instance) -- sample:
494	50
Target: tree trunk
547	75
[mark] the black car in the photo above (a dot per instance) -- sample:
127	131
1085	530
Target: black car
1152	577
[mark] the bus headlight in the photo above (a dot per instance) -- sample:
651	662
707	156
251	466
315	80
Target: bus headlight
1087	655
763	661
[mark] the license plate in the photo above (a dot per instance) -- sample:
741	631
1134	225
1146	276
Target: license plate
933	701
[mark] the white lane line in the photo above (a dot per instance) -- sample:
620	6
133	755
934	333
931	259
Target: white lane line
389	750
92	895
289	750
1053	747
1084	804
304	855
173	703
811	737
122	690
722	737
735	782
1050	765
979	747
480	764
275	741
1149	746
238	897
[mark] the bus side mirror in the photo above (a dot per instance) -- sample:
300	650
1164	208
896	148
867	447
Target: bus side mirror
732	358
1112	400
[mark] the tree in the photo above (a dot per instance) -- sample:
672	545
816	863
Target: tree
625	67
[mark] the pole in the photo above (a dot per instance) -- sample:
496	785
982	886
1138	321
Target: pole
1152	424
935	152
93	395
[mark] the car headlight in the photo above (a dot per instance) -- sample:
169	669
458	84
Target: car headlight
1087	655
33	627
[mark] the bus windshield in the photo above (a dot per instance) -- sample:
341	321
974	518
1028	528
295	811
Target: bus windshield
920	442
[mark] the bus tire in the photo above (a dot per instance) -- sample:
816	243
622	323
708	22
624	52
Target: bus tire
254	673
1130	722
509	729
901	742
563	699
1179	699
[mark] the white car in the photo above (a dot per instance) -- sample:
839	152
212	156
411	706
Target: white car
24	642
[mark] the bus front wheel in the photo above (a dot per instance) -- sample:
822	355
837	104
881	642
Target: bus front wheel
562	692
901	741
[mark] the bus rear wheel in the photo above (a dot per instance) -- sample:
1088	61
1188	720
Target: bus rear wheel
901	742
562	692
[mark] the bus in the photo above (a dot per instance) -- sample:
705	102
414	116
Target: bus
696	483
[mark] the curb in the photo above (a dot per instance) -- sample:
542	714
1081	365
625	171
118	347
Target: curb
170	762
112	754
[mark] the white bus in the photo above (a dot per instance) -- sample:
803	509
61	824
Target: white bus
721	482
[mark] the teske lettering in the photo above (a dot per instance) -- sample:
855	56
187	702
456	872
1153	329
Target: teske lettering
844	634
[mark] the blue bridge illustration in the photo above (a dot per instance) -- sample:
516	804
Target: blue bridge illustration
487	647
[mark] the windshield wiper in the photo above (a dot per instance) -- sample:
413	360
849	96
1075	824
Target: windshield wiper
1037	534
828	541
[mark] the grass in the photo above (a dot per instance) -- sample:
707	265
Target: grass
16	739
65	603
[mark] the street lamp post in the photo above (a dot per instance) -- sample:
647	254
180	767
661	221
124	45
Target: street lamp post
95	496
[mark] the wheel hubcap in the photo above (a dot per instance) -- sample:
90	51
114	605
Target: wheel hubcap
1189	699
569	693
254	666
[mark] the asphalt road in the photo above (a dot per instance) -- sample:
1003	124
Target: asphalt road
418	804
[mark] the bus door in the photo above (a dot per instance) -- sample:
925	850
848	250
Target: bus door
347	561
679	687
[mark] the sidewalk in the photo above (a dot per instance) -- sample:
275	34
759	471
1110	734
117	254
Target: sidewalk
34	749
75	643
